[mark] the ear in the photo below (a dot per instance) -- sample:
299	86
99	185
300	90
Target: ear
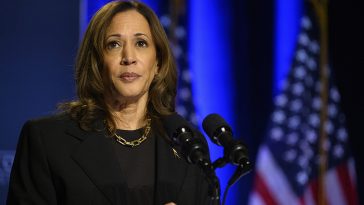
156	68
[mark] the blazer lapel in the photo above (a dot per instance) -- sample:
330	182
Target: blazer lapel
171	172
96	157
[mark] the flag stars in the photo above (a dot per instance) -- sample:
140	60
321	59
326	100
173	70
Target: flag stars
314	120
299	72
278	117
338	151
304	145
306	22
276	134
281	100
332	110
181	110
180	32
177	51
186	75
329	127
301	55
334	94
293	122
311	136
303	39
165	21
316	103
303	161
314	47
302	178
290	155
311	64
184	93
194	118
307	152
342	134
297	89
296	105
292	138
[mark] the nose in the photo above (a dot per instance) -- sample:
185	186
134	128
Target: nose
128	55
127	61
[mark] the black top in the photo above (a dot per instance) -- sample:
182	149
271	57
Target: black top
138	164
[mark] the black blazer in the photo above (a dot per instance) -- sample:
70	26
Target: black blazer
58	163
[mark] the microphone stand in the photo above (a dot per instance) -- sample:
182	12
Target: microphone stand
214	184
195	156
243	168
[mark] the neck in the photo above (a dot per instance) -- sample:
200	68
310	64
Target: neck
129	114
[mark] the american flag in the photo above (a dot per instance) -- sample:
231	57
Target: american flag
298	163
174	19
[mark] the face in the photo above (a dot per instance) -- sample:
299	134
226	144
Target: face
129	56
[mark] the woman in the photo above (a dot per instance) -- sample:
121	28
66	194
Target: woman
109	146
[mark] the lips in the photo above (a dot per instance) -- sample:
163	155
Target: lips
129	76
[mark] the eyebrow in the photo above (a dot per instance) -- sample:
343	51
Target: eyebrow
119	35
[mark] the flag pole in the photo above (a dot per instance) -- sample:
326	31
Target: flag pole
320	7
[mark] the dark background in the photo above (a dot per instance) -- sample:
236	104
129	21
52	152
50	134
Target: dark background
38	43
347	43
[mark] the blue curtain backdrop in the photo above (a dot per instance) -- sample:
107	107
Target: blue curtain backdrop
38	44
237	53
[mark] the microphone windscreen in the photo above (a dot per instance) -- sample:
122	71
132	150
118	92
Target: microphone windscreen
212	122
173	122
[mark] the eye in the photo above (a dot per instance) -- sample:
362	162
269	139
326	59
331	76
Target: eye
112	44
142	43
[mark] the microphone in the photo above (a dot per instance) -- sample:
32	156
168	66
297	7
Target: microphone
221	134
194	149
181	132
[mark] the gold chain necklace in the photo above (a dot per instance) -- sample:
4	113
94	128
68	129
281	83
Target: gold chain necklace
136	142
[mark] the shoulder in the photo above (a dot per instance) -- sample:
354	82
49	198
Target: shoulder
59	118
50	122
49	132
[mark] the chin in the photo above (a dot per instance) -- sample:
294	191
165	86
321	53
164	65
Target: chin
126	90
129	93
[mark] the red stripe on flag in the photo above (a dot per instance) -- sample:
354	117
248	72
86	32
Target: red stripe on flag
302	200
263	190
346	184
314	190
